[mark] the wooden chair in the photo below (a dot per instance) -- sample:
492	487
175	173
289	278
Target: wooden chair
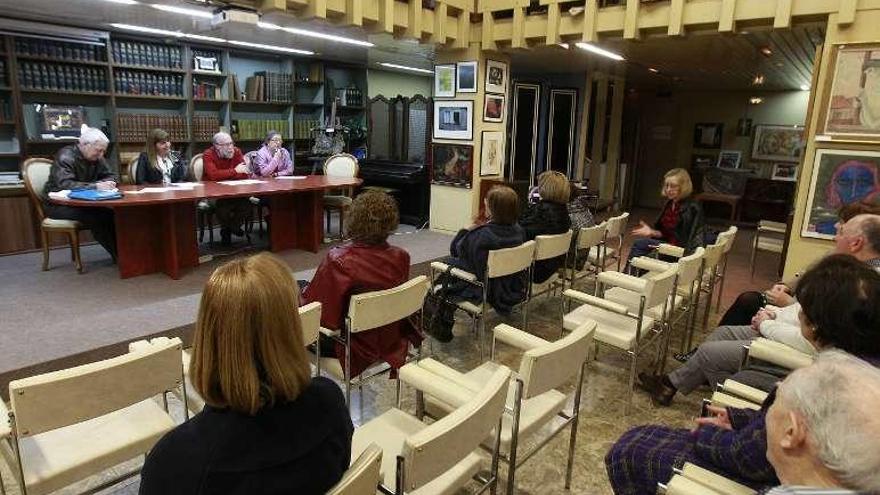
769	237
339	165
204	209
35	172
132	170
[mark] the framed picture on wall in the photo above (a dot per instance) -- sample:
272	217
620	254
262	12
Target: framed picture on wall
493	108
729	158
492	153
780	143
453	164
839	177
496	77
850	111
784	171
466	77
703	161
708	135
454	119
444	81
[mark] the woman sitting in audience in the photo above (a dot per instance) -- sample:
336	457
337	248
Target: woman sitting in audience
266	426
547	215
365	263
680	222
158	163
733	442
272	160
581	217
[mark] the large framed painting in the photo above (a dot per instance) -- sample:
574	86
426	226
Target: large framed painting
778	143
851	111
453	164
708	135
444	81
840	177
492	153
454	119
496	77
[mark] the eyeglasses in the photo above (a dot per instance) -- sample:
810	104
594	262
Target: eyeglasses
276	140
224	145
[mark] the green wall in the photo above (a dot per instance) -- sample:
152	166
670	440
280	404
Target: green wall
391	84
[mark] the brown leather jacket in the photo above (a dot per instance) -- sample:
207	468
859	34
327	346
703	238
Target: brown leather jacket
354	268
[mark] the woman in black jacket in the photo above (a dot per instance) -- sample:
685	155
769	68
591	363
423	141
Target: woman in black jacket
158	163
548	216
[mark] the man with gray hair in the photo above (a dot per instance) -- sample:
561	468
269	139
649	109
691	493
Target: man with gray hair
860	237
224	161
82	166
823	430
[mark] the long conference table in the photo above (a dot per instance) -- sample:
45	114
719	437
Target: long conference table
156	231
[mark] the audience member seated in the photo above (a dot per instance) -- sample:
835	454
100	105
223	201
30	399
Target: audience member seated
224	161
365	263
272	160
733	442
822	429
581	217
680	222
82	166
158	163
547	214
266	426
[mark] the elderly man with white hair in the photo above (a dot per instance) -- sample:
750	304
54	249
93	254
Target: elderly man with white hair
823	430
224	161
82	166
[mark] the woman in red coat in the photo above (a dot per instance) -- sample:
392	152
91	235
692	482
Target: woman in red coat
366	262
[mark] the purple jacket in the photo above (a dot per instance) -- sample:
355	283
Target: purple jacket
265	164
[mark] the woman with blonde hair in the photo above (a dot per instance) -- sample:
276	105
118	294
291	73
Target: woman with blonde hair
266	426
548	215
158	163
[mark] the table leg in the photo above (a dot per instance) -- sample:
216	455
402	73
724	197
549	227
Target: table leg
156	238
295	221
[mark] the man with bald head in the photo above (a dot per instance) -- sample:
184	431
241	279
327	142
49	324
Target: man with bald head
224	161
860	237
823	430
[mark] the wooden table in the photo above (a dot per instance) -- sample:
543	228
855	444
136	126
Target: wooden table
156	232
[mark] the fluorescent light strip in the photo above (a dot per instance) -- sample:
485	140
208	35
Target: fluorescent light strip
599	51
404	67
124	2
805	87
184	11
314	34
269	47
200	37
178	34
148	30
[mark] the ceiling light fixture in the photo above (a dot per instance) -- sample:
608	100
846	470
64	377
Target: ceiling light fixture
270	47
805	87
655	71
124	2
565	45
404	67
183	10
178	34
148	30
314	34
766	51
599	51
200	37
758	80
756	100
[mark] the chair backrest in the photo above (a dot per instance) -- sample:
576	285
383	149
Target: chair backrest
726	239
35	172
341	165
716	481
548	367
197	167
660	286
379	308
679	485
713	256
363	475
437	448
133	169
511	260
310	319
551	246
689	267
616	224
61	398
589	237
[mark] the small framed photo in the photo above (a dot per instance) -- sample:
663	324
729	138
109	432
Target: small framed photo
454	119
453	164
444	81
493	108
496	77
703	161
62	120
785	171
492	153
466	77
708	135
729	158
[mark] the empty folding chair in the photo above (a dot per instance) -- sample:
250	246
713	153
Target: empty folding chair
587	248
770	237
362	478
613	237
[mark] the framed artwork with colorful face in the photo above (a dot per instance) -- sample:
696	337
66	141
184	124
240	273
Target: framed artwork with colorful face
840	177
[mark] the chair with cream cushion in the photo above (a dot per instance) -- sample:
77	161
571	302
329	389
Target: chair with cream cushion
204	209
133	170
620	327
549	247
691	479
590	240
443	456
533	399
499	263
35	172
339	165
362	478
614	235
67	425
770	237
726	239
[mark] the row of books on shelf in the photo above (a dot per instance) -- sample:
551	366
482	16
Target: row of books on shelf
62	77
141	83
257	129
147	54
302	128
265	86
207	91
204	127
134	127
350	96
36	47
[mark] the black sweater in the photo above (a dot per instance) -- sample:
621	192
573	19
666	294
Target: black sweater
148	174
690	231
545	218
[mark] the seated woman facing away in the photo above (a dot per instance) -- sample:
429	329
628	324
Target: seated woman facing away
365	263
733	442
272	160
548	215
266	426
158	163
680	222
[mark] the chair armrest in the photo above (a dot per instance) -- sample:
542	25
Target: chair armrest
680	485
517	338
650	264
454	375
333	334
437	386
5	429
751	394
623	280
595	301
455	272
768	226
778	354
721	399
714	481
670	250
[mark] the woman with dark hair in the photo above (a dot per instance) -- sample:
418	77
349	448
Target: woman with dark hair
158	163
548	215
838	299
272	160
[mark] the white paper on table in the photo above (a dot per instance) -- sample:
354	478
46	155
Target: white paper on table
291	177
185	185
60	194
155	189
240	182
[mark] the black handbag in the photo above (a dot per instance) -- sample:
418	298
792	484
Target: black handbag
437	312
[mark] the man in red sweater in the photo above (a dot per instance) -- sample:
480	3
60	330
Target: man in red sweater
224	161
